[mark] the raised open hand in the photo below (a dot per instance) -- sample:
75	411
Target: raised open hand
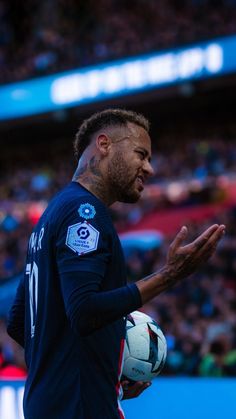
184	260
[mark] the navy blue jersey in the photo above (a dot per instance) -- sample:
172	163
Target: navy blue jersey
69	311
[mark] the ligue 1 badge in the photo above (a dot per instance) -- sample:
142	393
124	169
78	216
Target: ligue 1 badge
87	211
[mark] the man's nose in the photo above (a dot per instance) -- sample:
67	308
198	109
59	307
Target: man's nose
148	168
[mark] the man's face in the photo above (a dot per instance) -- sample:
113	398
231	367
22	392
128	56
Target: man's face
129	165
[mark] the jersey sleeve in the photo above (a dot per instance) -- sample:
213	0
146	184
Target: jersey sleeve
83	253
82	240
16	316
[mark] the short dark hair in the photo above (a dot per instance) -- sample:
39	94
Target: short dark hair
103	119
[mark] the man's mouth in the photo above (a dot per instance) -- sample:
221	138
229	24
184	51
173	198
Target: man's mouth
140	180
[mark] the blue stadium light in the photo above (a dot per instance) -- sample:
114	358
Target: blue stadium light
118	78
137	74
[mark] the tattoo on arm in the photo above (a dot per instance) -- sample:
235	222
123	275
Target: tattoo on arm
168	278
165	277
149	277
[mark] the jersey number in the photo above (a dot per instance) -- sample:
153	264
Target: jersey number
32	271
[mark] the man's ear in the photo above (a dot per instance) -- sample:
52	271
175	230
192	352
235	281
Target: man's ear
103	143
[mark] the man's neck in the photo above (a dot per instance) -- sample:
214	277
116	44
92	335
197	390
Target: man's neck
90	177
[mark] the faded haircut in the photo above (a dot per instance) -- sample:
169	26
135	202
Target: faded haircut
104	119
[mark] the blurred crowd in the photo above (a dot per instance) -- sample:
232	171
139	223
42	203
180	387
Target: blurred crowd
196	174
38	38
199	316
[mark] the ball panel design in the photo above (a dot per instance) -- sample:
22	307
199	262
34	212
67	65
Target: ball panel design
137	317
140	351
145	348
137	370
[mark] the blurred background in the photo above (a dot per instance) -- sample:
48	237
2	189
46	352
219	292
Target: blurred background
174	61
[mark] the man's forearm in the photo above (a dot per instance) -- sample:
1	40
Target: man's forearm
154	284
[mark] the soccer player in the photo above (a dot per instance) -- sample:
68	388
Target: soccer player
70	307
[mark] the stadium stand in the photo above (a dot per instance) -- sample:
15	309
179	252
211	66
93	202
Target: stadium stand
38	38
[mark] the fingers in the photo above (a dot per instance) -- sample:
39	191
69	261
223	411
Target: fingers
208	248
203	247
140	387
135	389
182	261
212	234
178	240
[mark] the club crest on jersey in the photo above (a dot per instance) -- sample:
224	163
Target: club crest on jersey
82	238
87	211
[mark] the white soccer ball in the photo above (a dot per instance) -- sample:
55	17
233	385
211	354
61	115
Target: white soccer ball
145	348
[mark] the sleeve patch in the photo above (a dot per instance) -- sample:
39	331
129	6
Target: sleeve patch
82	238
87	211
